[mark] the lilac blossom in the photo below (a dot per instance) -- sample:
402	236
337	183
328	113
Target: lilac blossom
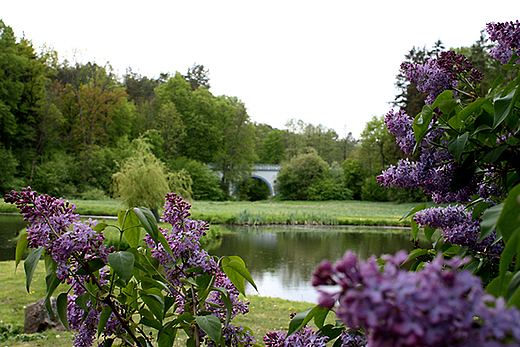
54	226
507	38
234	336
436	306
401	126
353	338
184	241
306	337
438	75
458	227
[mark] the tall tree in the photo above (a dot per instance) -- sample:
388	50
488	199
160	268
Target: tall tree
197	77
410	99
237	157
378	147
23	79
273	148
91	97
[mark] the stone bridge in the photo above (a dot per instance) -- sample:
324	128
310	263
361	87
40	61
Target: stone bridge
264	172
268	174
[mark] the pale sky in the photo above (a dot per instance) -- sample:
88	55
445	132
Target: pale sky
325	62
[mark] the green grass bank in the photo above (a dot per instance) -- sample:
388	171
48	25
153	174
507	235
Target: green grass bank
350	212
266	314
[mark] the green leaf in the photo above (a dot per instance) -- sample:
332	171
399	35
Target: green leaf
30	265
93	265
103	319
480	207
301	319
298	321
166	337
508	254
82	301
471	108
211	326
52	282
100	227
496	85
131	226
155	303
416	253
235	269
226	299
493	287
509	220
331	331
443	97
489	221
165	244
503	108
428	232
415	228
493	154
148	222
61	306
447	106
413	210
151	323
513	286
21	246
421	123
456	146
122	263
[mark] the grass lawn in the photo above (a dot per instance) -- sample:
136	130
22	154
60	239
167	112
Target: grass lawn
266	314
269	212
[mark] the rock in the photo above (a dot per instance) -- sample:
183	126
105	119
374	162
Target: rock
37	319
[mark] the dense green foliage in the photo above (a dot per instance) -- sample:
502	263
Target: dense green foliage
66	127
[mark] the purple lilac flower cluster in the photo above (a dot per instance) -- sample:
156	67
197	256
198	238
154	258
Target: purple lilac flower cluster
184	241
54	226
353	338
432	173
438	75
436	306
71	243
401	126
306	337
234	336
458	227
507	37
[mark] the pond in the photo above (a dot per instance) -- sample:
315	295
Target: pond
281	259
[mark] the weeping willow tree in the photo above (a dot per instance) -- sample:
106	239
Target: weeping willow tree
143	179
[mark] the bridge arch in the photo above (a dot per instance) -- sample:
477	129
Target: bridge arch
267	173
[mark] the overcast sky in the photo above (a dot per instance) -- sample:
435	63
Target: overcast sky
325	62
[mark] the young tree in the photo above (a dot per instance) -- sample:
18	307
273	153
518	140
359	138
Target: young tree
297	175
142	179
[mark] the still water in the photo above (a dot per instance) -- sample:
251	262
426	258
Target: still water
281	259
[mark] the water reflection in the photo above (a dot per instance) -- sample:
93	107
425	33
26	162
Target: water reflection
10	227
282	259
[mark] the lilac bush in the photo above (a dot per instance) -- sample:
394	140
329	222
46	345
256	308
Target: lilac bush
172	277
437	306
463	150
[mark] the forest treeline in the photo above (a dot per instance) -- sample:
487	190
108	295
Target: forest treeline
67	127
